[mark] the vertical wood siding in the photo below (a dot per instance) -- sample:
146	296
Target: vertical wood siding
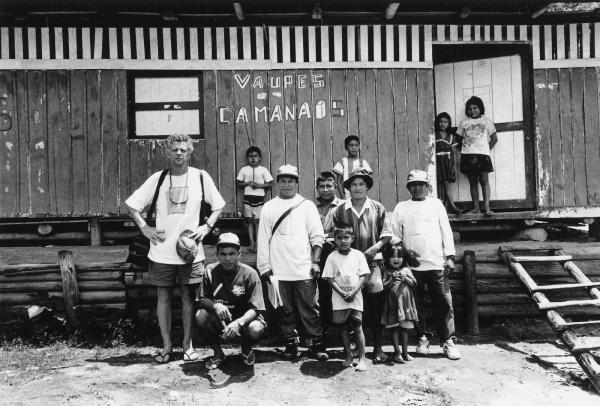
568	137
67	152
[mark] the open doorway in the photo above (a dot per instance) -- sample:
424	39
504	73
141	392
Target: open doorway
501	75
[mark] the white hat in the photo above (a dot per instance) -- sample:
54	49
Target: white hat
417	176
186	247
229	239
287	170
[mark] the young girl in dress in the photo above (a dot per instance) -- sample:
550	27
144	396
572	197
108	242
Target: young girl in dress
400	310
446	143
478	138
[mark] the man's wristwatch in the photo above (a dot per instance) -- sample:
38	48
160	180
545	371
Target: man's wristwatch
450	257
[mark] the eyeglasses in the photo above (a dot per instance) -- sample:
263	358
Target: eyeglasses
178	195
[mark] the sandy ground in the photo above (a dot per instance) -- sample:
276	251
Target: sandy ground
500	373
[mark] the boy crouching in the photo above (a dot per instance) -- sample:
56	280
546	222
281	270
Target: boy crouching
230	301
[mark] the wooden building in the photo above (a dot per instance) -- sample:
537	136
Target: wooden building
89	91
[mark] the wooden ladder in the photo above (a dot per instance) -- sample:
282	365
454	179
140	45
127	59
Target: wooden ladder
578	346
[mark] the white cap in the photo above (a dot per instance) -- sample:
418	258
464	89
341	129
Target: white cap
228	239
287	170
417	176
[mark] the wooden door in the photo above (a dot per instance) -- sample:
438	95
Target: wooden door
501	82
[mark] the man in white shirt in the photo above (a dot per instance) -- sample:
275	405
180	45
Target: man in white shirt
289	258
422	225
177	209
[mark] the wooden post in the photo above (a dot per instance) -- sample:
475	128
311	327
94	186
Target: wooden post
95	234
470	284
69	287
595	229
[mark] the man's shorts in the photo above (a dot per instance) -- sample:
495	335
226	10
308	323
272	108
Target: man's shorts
169	275
475	164
344	315
252	211
405	324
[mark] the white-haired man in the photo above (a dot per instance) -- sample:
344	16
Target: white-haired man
179	190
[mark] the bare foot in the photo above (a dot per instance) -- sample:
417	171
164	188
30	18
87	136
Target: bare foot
489	213
348	362
361	366
407	357
398	359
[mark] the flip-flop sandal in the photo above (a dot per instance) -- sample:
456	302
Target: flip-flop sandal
191	356
213	363
161	358
398	359
489	213
250	358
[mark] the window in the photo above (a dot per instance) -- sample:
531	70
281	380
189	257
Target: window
165	103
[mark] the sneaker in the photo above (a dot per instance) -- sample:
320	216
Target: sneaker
317	349
423	346
450	349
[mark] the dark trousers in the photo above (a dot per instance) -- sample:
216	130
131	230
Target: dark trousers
441	303
299	309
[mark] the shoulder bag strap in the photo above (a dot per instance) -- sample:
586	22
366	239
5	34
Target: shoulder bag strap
155	198
202	202
284	215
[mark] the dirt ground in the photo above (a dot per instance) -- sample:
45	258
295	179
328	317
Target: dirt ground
513	372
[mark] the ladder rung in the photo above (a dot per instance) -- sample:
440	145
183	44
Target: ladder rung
540	258
582	323
565	286
568	303
584	344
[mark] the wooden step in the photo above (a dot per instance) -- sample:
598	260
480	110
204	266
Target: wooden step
541	258
568	303
565	286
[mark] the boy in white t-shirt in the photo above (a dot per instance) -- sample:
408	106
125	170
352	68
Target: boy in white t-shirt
255	179
346	270
349	164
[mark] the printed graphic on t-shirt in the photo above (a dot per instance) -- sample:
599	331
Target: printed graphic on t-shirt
238	290
177	198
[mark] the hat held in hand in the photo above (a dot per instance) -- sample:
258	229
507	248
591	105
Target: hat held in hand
187	248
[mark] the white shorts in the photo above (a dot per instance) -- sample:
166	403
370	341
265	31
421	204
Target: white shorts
252	212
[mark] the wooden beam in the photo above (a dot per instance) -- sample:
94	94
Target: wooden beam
239	11
540	258
70	289
390	11
470	284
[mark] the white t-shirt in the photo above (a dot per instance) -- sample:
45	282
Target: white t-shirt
173	213
346	270
423	227
260	174
476	135
288	252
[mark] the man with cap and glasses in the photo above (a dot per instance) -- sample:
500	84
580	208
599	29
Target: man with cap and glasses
422	224
179	194
230	302
371	232
290	237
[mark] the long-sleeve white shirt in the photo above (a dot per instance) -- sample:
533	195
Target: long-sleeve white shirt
288	253
423	226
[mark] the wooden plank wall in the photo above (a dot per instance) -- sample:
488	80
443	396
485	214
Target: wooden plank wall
66	151
568	137
391	110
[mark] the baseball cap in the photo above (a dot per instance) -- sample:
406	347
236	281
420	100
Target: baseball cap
228	239
417	176
287	170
